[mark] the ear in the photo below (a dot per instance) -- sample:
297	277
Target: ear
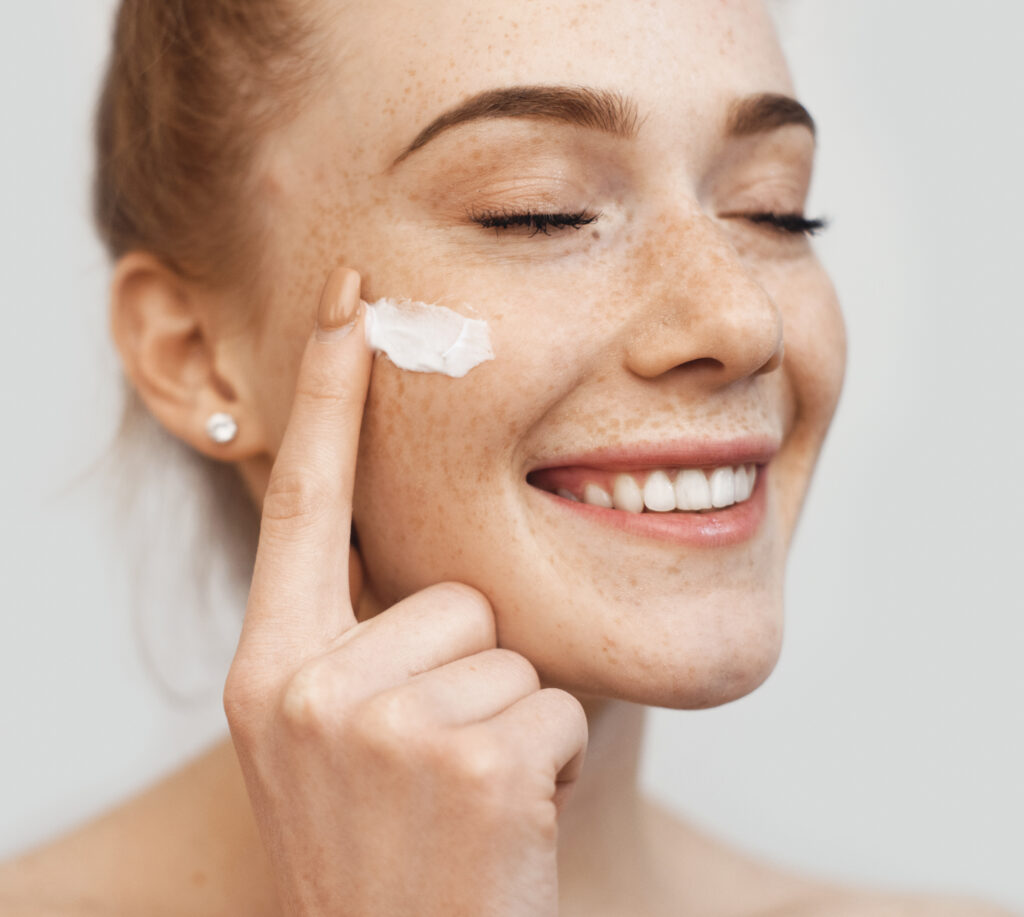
165	329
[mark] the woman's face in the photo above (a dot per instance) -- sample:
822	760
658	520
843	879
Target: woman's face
653	325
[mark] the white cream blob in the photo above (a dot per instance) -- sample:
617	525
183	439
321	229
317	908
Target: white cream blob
423	338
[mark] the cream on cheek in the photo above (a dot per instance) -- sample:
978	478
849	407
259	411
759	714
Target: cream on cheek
424	338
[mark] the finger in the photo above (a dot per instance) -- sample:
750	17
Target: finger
436	626
470	689
300	582
551	726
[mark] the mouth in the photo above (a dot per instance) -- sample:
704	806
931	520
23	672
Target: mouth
661	490
712	495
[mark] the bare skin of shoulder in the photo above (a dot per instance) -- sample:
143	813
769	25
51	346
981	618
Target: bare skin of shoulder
189	846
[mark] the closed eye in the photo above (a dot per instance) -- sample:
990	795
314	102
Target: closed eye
535	222
794	223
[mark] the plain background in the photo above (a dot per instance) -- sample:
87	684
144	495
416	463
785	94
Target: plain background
888	745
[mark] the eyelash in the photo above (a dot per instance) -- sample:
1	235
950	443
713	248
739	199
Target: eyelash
792	223
535	222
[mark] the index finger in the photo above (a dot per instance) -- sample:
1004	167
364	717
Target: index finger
299	593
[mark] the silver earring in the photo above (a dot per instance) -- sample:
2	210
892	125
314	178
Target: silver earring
222	428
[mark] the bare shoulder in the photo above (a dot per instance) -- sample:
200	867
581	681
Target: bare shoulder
724	881
48	882
35	886
186	846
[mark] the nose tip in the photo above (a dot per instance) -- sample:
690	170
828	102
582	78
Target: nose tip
713	318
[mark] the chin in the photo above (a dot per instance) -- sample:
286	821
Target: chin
711	654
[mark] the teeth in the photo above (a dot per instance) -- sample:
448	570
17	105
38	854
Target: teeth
659	495
597	496
744	482
626	494
723	487
692	490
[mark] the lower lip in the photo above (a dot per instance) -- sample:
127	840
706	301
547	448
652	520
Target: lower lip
721	528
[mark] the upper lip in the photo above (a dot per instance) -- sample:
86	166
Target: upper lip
681	453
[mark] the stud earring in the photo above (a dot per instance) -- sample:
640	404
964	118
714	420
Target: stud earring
222	428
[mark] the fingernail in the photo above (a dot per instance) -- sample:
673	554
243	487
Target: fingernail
339	305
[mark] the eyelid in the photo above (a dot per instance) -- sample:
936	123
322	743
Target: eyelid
518	187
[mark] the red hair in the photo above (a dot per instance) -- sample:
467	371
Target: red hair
191	89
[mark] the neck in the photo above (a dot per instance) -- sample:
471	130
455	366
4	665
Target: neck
605	864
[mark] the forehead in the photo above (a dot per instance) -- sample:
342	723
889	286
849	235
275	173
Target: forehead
409	60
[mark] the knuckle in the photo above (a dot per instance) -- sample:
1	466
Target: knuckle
319	387
517	666
304	705
389	721
483	767
564	702
468	604
543	816
295	498
565	706
240	699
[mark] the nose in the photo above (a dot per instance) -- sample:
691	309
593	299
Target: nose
706	311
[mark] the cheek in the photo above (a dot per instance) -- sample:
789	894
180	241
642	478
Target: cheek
815	342
431	451
442	462
816	349
812	376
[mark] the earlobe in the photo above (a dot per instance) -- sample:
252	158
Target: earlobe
163	329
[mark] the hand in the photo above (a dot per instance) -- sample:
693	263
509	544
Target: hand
403	765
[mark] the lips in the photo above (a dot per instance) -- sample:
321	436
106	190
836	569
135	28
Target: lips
710	493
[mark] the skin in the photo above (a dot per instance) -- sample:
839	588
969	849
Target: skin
673	312
669	317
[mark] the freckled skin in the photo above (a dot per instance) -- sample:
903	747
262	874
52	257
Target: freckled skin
661	320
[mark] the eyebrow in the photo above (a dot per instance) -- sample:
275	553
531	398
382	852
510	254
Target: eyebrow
603	110
599	109
766	112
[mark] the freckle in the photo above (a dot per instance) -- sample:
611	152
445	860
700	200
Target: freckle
199	878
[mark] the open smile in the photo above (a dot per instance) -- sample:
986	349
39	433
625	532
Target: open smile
663	490
709	496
